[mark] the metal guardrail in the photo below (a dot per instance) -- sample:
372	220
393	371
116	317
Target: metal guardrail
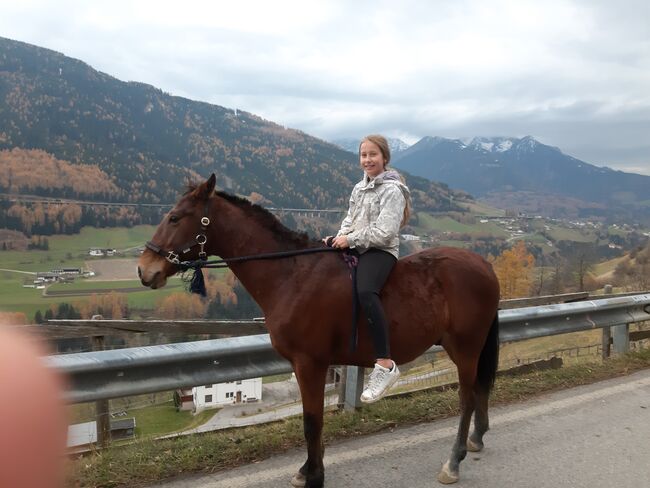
531	322
103	375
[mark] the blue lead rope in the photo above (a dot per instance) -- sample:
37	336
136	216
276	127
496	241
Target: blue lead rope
197	284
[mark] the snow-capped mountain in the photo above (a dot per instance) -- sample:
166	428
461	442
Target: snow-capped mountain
490	165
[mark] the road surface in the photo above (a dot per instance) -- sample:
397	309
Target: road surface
592	436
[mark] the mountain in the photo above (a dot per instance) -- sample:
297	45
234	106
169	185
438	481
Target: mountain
351	144
526	174
148	143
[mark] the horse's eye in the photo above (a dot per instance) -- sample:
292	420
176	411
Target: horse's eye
173	218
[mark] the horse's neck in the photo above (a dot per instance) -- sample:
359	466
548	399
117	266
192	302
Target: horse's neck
243	235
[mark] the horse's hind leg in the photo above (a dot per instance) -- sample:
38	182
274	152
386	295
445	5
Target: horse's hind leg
481	422
311	379
466	376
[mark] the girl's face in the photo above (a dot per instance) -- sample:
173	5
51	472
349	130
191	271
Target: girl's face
371	158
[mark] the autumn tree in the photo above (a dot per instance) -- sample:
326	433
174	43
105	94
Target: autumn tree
112	305
220	288
182	306
633	272
12	318
514	268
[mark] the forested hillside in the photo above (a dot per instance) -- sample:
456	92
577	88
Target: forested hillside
35	171
139	144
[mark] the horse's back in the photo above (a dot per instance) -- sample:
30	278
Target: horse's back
449	266
441	288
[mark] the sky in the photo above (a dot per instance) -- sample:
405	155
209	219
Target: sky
574	74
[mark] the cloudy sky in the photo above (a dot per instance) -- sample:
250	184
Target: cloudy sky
572	73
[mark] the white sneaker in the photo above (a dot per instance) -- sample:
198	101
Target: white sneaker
381	379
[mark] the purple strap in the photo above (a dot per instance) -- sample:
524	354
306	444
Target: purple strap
352	260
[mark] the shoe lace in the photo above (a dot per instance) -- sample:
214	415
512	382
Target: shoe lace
376	379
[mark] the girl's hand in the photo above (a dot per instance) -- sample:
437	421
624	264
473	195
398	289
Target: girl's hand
340	242
328	240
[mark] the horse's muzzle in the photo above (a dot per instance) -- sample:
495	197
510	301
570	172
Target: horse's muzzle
154	281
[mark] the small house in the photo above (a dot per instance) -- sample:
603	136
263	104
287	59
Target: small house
233	392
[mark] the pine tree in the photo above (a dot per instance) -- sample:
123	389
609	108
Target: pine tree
38	317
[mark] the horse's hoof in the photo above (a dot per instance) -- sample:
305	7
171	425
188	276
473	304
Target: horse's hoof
473	446
298	480
446	477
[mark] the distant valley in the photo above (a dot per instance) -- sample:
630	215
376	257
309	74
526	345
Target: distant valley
98	138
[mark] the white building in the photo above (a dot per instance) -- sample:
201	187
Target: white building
209	396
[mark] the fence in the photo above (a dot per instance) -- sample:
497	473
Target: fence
101	375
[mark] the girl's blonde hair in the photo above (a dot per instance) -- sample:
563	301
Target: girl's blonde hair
382	143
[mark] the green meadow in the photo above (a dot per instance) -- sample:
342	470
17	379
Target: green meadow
71	251
429	223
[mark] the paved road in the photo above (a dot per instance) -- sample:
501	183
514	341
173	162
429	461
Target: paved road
593	436
18	271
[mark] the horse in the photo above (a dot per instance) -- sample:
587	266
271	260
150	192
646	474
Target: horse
446	296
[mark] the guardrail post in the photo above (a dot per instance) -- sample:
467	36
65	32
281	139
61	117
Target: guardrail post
343	381
607	333
102	418
353	387
621	334
606	343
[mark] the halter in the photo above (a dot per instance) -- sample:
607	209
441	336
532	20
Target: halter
200	240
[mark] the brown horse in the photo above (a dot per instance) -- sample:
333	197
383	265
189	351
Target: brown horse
444	296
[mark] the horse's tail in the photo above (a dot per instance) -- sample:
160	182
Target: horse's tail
489	359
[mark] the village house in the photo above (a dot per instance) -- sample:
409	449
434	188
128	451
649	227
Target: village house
217	395
98	252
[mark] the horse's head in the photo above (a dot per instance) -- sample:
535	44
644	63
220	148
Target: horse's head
179	237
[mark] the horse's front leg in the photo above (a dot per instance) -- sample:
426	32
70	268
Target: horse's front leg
311	379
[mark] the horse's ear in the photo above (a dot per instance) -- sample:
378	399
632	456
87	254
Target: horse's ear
205	190
212	181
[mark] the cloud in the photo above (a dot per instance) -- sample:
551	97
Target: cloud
573	73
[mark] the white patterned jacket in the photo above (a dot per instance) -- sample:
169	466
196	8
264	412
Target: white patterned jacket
375	214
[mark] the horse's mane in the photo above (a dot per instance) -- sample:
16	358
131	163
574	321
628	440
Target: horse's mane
296	240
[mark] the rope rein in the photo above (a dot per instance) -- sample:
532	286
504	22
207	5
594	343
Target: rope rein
223	263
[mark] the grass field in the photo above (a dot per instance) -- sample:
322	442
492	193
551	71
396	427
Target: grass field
150	420
164	419
565	234
428	223
607	266
119	238
15	298
480	208
72	252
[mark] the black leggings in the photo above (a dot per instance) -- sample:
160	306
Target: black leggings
373	270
